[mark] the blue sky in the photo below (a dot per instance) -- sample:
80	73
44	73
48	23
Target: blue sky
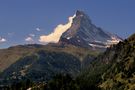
20	19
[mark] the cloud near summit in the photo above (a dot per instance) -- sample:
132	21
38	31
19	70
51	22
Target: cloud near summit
56	34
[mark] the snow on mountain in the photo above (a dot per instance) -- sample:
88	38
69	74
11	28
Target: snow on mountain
85	34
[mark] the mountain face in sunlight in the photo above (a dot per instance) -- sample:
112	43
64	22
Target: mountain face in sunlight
56	34
85	34
80	31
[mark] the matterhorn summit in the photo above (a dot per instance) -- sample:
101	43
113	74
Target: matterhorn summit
84	33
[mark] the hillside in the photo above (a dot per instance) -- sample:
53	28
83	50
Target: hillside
42	62
12	54
121	74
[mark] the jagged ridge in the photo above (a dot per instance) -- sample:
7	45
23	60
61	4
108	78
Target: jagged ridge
85	34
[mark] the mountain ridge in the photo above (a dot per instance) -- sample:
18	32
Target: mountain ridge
85	34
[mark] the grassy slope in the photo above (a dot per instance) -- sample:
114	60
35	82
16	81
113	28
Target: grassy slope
12	54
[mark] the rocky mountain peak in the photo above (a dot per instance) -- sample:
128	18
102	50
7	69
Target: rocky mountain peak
78	12
84	33
81	14
81	17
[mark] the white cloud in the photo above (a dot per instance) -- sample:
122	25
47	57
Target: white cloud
56	34
29	39
2	40
32	35
38	29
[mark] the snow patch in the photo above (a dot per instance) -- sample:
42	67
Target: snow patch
99	46
113	40
68	38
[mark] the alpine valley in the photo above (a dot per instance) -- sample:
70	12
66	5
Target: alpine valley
85	58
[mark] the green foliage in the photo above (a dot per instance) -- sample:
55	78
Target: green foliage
42	66
65	82
62	82
122	71
18	85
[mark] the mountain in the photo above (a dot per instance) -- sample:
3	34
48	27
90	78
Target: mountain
85	34
42	62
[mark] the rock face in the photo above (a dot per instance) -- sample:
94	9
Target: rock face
85	34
